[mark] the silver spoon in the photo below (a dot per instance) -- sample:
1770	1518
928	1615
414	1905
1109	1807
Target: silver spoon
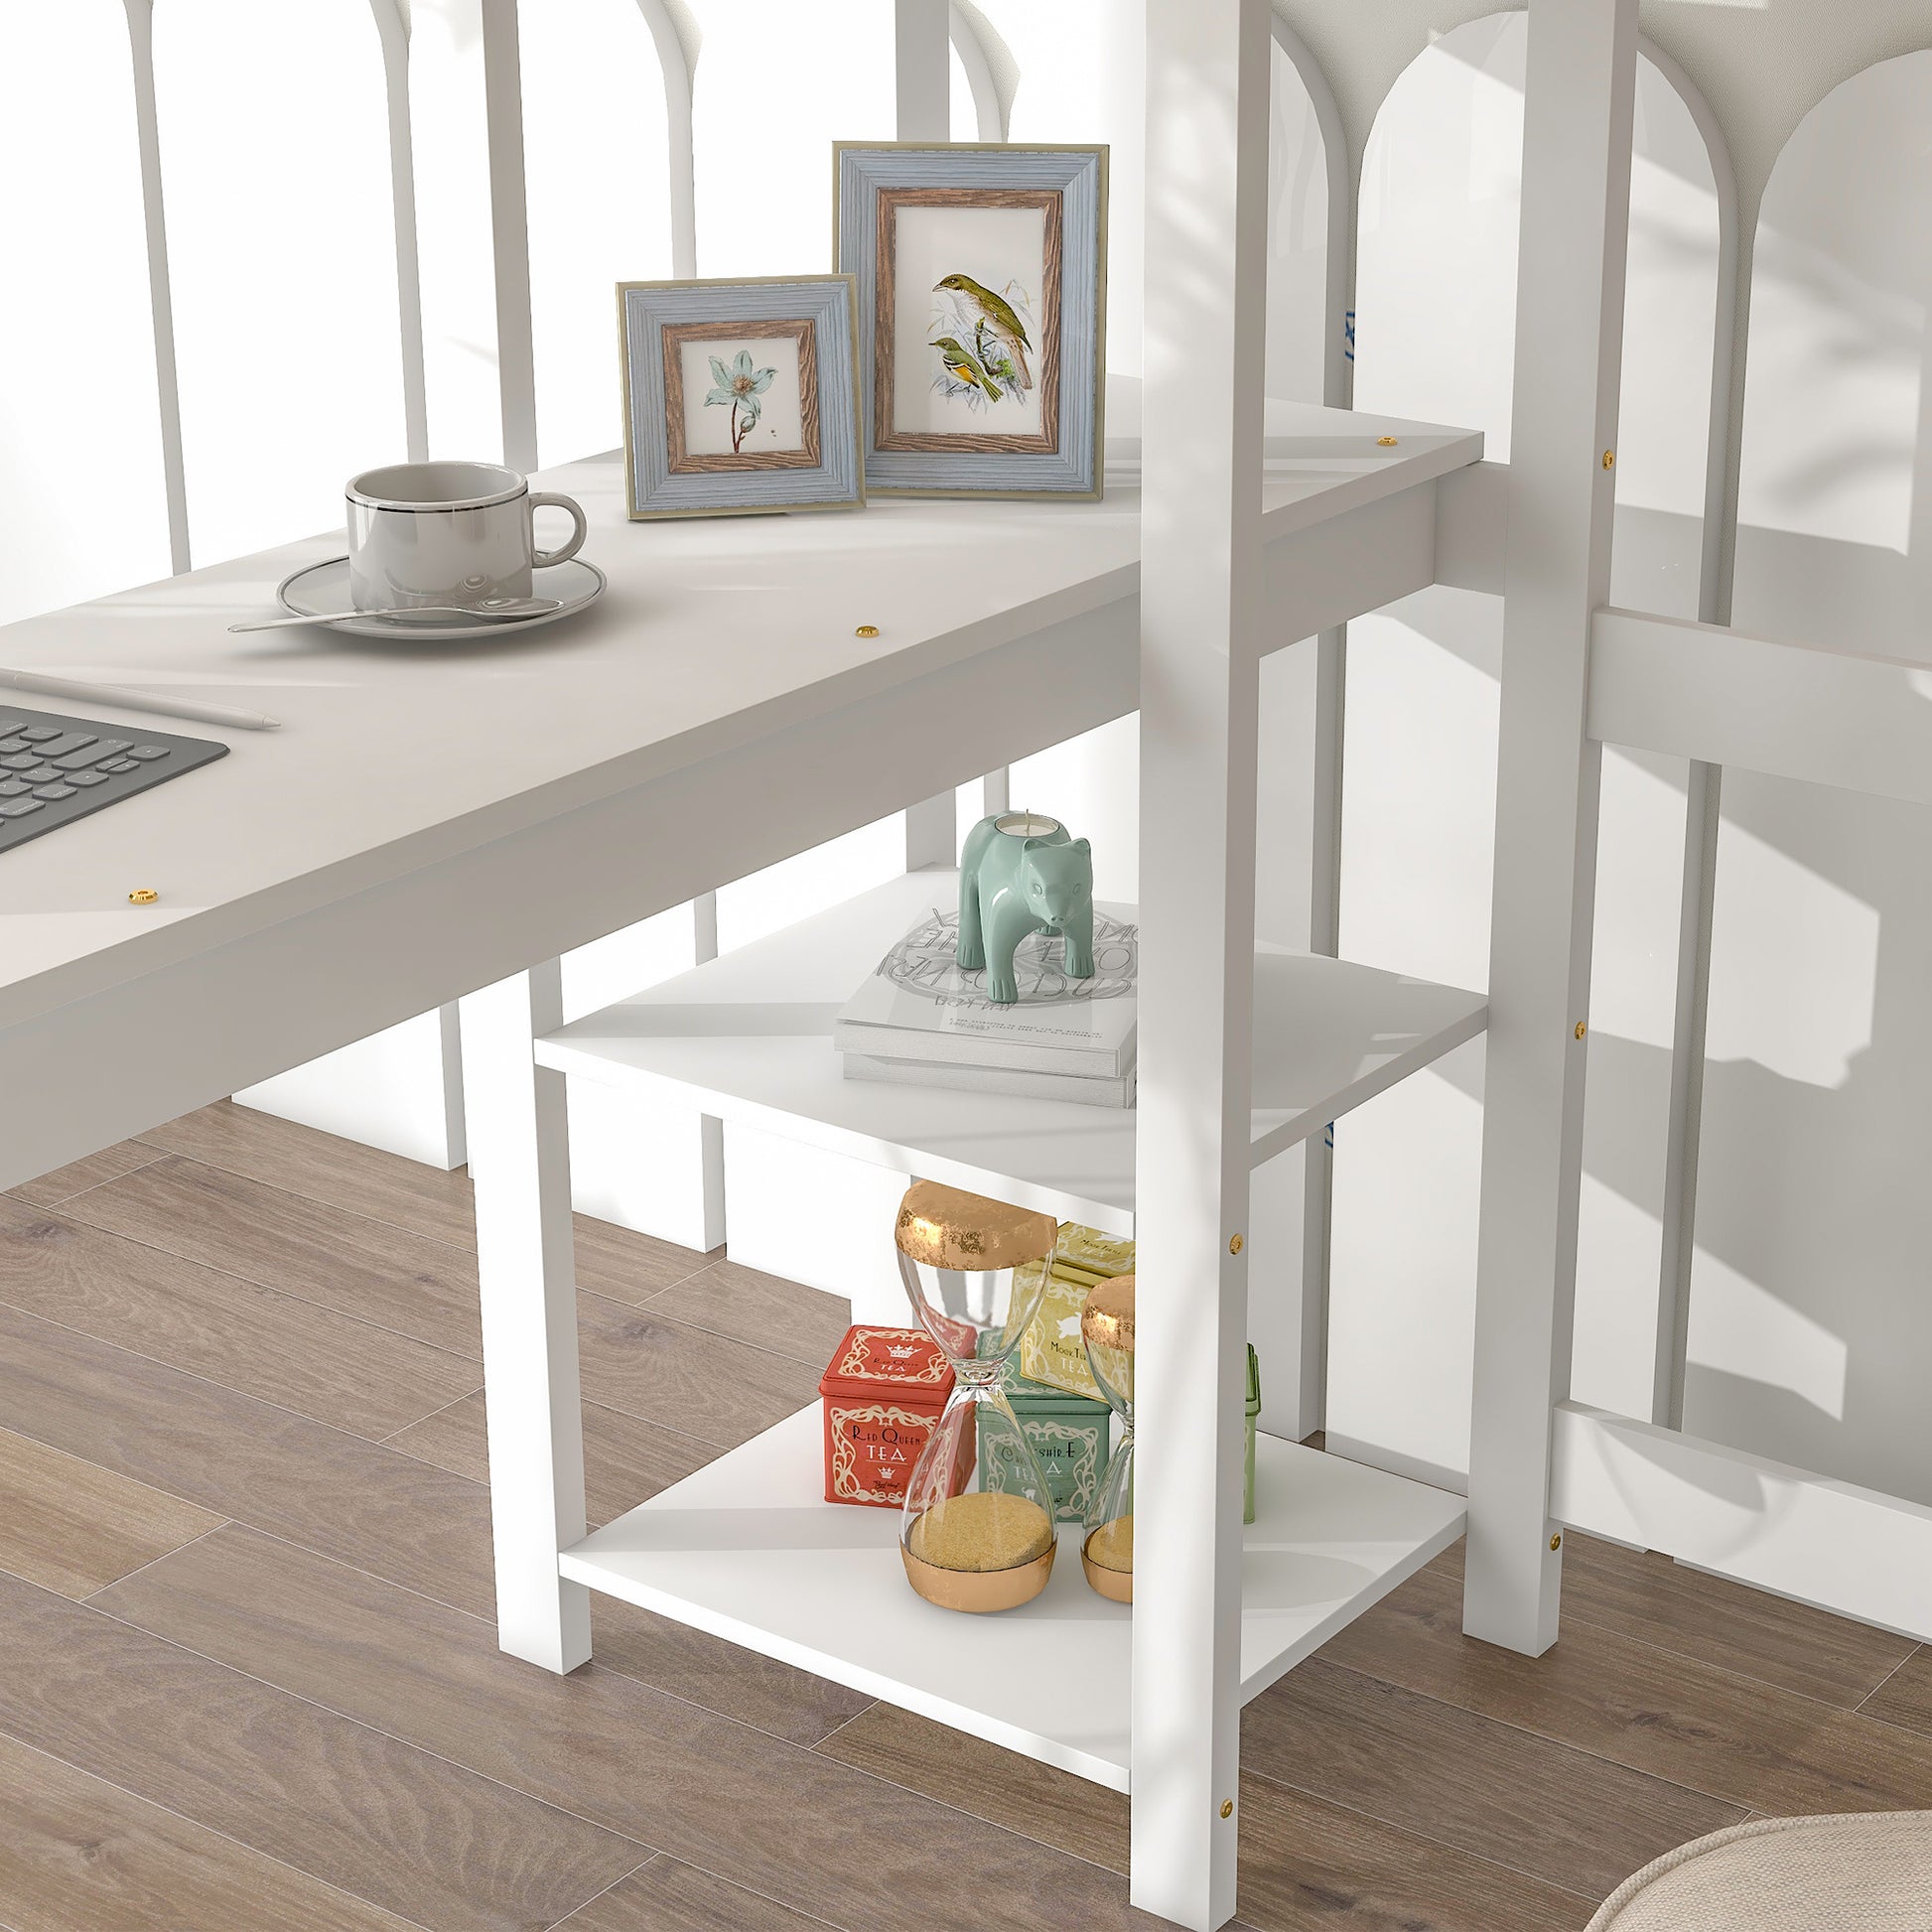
504	608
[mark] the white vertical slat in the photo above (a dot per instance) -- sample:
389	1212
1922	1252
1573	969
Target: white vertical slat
1577	107
923	78
1202	626
922	69
526	1273
140	33
509	233
675	34
392	29
1330	698
1705	783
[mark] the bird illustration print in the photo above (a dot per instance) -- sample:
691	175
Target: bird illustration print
997	320
962	367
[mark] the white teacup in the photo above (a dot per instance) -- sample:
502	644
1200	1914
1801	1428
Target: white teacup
446	533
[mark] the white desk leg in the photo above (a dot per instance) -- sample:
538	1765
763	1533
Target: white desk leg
930	834
518	1136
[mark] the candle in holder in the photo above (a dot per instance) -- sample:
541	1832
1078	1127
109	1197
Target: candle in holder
1027	825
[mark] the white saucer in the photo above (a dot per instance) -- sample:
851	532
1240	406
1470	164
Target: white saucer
325	586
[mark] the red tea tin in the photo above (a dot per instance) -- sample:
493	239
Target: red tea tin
883	1390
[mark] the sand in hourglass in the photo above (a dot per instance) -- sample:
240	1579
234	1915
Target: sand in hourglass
1111	1545
983	1530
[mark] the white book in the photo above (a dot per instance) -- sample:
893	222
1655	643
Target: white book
917	1004
1006	1080
908	1043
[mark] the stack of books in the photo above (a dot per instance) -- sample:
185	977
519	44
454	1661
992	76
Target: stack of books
919	1020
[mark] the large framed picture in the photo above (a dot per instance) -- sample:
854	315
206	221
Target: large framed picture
981	274
741	397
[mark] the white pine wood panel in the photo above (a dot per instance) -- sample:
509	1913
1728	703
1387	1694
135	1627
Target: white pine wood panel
748	1038
1811	1538
749	1550
1860	720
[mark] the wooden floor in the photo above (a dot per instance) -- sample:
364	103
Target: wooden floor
248	1680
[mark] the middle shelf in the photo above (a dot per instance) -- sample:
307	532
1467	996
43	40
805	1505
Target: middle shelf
748	1036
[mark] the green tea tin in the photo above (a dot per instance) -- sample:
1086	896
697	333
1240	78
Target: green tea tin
1069	1435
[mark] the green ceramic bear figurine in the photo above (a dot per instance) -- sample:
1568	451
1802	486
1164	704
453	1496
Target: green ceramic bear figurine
1010	886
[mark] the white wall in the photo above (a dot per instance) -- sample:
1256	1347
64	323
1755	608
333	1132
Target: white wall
1811	1324
78	418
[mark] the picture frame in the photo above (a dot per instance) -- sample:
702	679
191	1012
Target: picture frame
981	274
741	397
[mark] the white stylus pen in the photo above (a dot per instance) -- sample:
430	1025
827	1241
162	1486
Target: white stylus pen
128	700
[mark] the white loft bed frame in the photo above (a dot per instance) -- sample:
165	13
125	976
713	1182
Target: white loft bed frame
1215	582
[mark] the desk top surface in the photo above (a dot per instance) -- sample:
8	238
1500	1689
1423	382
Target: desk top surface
713	633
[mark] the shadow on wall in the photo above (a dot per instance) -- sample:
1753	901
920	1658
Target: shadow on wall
1809	1342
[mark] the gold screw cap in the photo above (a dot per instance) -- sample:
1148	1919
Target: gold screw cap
143	896
1385	442
867	630
1227	1807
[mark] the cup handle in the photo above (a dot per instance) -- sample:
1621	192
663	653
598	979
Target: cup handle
540	558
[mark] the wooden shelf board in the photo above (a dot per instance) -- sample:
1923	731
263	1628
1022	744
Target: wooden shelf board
748	1550
748	1036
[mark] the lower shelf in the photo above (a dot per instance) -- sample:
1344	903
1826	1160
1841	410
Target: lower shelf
748	1550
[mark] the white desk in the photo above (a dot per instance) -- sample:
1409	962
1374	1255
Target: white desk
435	823
432	818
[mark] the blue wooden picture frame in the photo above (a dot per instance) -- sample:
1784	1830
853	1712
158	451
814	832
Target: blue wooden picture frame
821	309
1070	464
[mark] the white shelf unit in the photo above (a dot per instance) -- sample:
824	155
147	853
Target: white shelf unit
749	1550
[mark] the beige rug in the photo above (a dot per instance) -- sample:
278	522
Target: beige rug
1867	1873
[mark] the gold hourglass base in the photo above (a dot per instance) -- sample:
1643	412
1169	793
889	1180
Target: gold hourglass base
984	1550
978	1590
1102	1557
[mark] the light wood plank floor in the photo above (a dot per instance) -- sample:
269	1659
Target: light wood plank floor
249	1677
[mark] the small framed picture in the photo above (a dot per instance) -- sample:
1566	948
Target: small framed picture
740	397
981	274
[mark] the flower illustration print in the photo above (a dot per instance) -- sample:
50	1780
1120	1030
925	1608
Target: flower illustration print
738	388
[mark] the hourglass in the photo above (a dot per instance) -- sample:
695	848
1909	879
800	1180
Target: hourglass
1107	1328
964	1261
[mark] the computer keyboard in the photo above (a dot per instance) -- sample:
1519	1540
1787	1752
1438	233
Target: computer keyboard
54	770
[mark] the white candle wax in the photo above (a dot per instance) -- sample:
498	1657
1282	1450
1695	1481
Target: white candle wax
1028	825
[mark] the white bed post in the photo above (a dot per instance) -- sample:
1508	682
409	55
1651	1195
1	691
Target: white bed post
521	1138
922	74
1569	357
1202	620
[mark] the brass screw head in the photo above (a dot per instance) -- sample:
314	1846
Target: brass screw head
1385	442
143	896
1234	1244
1227	1807
867	630
1609	459
1582	1027
1556	1542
